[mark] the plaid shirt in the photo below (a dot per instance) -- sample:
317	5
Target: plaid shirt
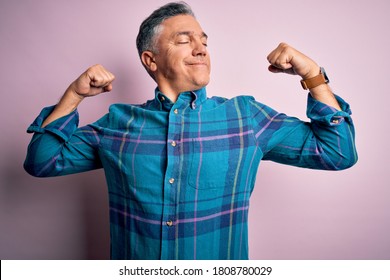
180	175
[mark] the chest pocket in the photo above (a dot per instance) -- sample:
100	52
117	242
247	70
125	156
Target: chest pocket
214	163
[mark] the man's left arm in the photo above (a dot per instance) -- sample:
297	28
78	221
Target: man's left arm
327	142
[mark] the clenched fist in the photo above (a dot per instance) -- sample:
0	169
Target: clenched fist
288	60
92	82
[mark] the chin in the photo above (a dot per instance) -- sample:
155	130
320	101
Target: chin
202	83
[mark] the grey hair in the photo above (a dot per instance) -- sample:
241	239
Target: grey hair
151	26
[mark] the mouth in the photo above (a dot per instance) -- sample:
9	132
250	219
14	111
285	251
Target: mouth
197	64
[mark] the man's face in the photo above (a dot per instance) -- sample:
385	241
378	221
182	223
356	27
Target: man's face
182	62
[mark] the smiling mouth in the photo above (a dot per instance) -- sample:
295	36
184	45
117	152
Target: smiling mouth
197	64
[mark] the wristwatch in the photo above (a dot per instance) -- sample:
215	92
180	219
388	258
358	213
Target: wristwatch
320	79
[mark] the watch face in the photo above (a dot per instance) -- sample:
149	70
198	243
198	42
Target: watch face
324	73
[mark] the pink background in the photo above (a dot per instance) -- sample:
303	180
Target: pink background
295	213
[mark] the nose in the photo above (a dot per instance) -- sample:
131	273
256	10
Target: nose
199	49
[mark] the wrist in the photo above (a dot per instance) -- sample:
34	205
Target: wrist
313	72
72	93
71	99
315	81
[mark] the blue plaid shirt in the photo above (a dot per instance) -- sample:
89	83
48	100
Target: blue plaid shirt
180	175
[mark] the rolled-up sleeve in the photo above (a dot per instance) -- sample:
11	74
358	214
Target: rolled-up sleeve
61	147
326	142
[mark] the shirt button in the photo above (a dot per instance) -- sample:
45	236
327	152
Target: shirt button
171	181
176	111
173	143
162	98
169	223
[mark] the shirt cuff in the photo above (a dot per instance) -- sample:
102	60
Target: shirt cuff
62	127
320	112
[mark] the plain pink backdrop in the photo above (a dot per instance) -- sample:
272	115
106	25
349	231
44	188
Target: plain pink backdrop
295	213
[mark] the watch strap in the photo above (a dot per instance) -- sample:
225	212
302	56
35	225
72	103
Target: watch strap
315	81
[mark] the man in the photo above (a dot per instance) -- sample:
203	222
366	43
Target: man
181	168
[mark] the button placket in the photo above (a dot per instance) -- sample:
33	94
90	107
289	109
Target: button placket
173	143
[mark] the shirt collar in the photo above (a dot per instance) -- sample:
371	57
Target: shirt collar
192	98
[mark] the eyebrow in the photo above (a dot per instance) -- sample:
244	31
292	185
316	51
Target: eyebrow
189	33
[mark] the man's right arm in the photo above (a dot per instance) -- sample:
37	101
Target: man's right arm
58	146
95	80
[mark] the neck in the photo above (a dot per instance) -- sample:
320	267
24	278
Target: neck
169	91
171	95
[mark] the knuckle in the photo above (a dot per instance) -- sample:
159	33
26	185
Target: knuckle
93	67
283	45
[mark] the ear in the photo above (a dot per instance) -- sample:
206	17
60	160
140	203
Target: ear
148	60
